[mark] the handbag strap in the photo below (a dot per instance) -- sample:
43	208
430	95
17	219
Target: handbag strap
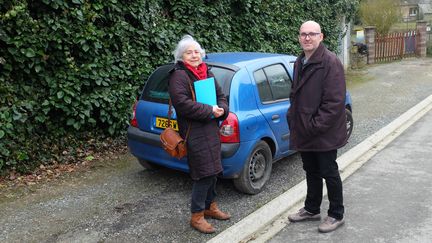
170	111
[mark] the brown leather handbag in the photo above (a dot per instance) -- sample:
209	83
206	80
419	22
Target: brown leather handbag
171	140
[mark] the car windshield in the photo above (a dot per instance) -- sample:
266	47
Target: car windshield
156	89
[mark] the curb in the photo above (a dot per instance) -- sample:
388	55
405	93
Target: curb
248	228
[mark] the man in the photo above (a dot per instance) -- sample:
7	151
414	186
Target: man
317	122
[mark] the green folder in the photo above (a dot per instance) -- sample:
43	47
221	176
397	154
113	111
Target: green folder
205	91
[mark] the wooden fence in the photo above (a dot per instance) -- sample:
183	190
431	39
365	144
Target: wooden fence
395	46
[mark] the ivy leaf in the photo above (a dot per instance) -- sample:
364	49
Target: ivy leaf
96	103
29	52
111	130
92	121
40	119
60	94
86	47
67	99
70	121
17	116
76	125
46	110
80	15
2	133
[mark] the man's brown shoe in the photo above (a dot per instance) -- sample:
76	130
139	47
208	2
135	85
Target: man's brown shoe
303	215
330	224
199	223
214	212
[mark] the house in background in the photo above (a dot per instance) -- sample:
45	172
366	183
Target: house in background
409	10
425	10
413	10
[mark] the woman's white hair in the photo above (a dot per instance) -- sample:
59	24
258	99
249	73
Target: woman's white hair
183	44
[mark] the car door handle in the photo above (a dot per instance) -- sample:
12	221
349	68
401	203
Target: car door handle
275	117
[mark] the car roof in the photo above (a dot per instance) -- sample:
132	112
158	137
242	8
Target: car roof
241	59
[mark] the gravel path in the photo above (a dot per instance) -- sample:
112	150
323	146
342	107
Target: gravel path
118	201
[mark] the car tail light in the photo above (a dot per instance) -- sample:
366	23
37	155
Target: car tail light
134	121
229	129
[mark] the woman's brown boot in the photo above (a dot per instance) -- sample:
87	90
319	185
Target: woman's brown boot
199	223
214	212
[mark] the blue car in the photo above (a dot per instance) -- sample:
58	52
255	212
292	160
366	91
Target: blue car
254	135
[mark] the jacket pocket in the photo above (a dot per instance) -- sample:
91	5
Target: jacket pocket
305	116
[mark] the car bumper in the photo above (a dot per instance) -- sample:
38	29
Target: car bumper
147	146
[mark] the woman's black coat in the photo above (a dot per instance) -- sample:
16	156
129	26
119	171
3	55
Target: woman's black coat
203	143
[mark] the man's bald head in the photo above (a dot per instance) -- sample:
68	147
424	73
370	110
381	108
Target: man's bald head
311	25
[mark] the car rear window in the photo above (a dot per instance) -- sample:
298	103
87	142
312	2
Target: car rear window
156	89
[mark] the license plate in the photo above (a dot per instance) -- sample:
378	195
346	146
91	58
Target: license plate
163	123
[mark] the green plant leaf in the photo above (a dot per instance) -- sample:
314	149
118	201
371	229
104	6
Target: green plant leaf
70	121
77	125
29	52
67	99
86	47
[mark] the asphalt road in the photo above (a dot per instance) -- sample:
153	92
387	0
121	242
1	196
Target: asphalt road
118	201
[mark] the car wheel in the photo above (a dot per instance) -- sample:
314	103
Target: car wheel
256	171
349	122
148	165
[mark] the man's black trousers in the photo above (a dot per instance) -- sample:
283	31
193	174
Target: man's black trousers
319	166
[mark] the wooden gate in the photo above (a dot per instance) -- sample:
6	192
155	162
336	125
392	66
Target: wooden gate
395	46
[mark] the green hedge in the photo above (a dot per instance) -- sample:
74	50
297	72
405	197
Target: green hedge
71	70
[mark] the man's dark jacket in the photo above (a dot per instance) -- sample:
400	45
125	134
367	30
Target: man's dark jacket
317	117
203	144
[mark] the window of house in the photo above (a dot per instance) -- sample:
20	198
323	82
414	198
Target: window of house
412	11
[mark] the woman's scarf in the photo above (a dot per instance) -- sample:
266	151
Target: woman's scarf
199	72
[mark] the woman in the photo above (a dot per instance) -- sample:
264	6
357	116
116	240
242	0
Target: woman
203	143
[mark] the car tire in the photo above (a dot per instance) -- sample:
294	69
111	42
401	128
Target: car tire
349	123
148	165
256	170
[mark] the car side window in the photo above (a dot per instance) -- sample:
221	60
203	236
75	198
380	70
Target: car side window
263	86
273	83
